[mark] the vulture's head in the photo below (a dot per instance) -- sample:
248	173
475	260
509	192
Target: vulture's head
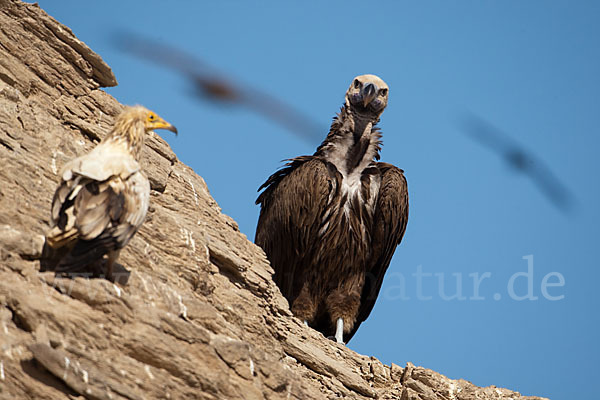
134	122
150	120
138	118
367	95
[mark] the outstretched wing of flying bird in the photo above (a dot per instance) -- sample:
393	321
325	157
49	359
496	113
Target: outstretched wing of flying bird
520	159
212	85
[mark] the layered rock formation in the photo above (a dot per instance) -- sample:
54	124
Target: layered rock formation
199	316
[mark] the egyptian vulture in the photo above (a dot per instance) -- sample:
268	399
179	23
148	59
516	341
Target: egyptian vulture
103	196
329	223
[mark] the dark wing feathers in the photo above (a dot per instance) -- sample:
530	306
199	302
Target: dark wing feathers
389	225
93	218
293	209
272	182
86	252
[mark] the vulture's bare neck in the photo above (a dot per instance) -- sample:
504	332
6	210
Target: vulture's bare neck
353	142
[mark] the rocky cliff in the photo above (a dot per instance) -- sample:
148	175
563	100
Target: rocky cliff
196	315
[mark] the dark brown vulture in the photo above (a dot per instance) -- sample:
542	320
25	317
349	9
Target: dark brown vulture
103	196
330	223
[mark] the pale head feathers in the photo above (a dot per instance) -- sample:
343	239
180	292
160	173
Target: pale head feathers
132	125
367	95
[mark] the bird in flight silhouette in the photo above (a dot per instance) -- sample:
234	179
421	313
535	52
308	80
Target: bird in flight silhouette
520	159
210	84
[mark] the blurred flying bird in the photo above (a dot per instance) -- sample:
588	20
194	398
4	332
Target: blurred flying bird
330	223
103	196
520	159
210	84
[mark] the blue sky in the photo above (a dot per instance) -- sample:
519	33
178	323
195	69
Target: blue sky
530	68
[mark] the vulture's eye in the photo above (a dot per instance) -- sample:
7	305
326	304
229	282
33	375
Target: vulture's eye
383	92
356	83
151	117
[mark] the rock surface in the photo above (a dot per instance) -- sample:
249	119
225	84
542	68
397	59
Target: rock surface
199	316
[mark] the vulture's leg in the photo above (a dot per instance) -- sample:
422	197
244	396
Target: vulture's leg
339	331
343	304
112	257
304	307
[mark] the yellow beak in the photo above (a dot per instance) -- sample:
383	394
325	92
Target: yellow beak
162	124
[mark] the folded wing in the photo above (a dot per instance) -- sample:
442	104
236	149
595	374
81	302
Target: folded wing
389	225
292	214
92	217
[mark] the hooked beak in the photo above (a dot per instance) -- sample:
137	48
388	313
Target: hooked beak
162	124
368	94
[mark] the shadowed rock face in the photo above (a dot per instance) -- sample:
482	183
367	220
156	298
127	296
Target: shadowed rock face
199	317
